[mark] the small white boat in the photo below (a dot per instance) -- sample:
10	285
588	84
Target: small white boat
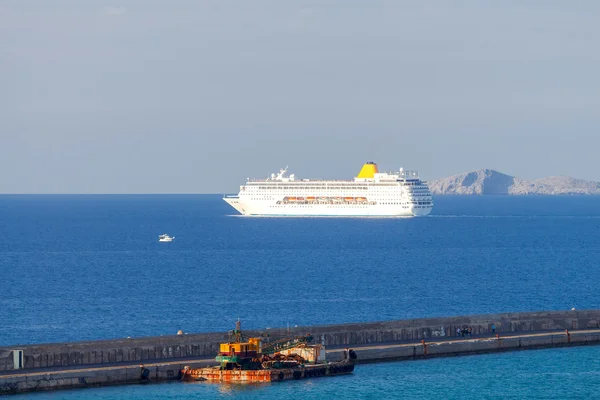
165	238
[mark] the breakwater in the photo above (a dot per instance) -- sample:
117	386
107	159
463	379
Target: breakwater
94	363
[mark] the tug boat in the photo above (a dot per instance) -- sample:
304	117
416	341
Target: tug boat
251	361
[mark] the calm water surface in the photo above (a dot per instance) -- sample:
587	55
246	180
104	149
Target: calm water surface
567	373
91	267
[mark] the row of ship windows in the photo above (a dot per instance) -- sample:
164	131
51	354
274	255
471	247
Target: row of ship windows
337	206
329	187
345	194
413	202
425	203
374	196
347	185
272	198
329	206
308	187
292	190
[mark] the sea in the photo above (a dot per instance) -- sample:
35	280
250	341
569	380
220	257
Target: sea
84	267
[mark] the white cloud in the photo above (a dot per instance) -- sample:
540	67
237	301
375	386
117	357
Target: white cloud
115	10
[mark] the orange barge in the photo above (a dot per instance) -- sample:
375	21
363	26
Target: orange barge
216	374
252	362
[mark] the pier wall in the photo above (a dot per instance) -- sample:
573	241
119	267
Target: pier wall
457	347
205	345
69	378
90	377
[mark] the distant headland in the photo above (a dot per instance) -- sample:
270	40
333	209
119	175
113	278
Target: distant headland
490	182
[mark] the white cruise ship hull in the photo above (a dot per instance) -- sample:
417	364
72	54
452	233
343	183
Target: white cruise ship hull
370	194
347	210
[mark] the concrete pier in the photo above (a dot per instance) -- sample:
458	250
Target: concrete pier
98	363
469	346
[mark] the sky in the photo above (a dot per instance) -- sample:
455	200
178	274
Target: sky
195	96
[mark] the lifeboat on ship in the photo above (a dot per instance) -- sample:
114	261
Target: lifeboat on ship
348	198
290	199
310	198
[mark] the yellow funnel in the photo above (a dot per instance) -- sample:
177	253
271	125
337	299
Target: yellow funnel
368	170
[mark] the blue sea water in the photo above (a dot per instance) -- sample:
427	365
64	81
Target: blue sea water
91	267
565	373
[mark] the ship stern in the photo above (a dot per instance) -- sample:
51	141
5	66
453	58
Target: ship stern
419	212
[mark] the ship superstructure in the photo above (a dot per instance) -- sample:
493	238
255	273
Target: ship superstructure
370	193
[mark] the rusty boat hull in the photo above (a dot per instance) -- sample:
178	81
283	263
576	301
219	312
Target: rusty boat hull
216	374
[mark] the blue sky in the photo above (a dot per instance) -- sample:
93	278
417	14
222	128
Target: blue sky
194	96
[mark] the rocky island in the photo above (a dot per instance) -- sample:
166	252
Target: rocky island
490	182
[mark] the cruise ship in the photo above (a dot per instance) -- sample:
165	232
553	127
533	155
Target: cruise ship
370	193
